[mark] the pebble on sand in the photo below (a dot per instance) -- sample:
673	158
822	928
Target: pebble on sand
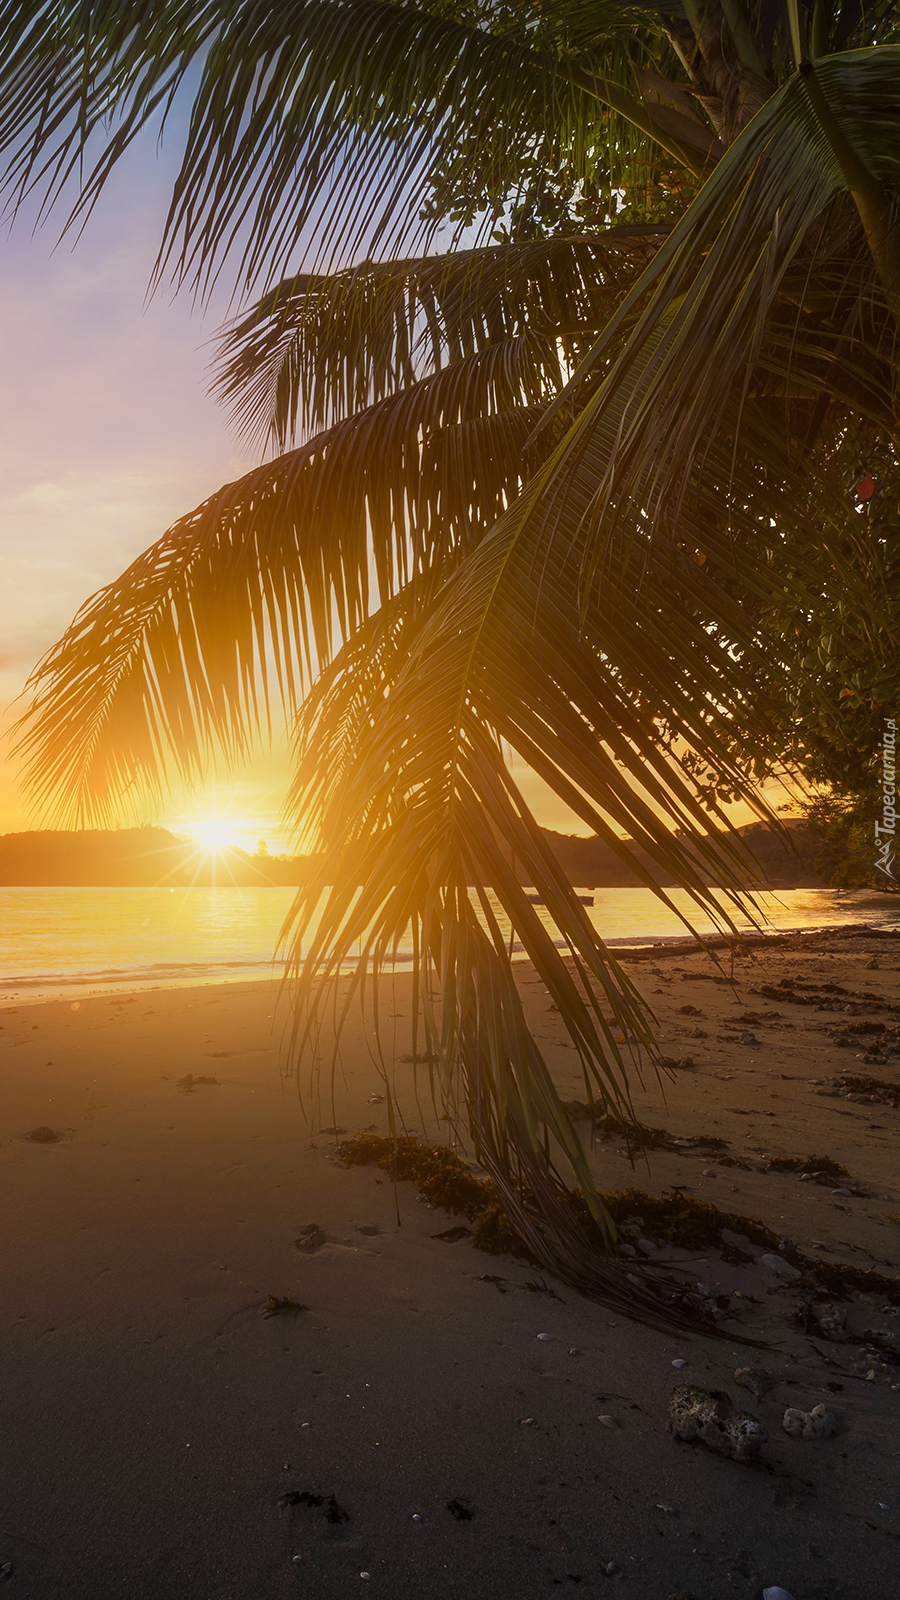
819	1423
756	1379
707	1416
782	1267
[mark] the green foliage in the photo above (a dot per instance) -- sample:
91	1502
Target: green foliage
837	622
842	835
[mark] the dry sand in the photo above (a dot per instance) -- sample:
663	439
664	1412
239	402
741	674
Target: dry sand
153	1418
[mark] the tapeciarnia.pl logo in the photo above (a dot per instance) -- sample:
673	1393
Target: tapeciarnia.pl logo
885	830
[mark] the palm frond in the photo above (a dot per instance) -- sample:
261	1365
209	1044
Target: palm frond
611	616
649	426
297	107
242	598
420	820
319	347
619	595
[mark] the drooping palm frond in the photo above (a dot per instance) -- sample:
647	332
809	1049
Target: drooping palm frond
319	347
621	591
300	105
243	596
441	843
297	107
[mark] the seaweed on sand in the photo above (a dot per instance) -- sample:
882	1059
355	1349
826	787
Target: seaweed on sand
838	1280
282	1306
859	1086
639	1135
810	1164
443	1178
824	996
829	1174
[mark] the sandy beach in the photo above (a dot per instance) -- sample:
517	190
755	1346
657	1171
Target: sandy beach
408	1433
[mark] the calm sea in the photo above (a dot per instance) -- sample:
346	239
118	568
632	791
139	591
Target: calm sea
90	941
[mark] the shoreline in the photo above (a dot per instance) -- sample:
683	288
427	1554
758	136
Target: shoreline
635	948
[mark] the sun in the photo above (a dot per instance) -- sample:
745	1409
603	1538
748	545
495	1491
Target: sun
213	834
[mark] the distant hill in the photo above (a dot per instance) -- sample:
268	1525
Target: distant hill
142	857
783	863
135	858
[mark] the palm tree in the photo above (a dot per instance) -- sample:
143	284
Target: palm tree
552	491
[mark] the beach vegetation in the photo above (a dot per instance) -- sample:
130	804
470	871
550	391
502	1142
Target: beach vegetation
568	337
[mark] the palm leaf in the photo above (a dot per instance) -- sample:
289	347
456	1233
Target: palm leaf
243	596
298	106
682	376
319	347
579	612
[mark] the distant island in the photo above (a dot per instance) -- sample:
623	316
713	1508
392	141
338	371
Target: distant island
153	857
136	858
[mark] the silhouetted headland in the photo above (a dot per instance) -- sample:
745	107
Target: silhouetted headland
150	856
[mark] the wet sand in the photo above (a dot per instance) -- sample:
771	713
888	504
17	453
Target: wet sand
154	1419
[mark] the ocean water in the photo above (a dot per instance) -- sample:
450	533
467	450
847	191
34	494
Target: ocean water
77	942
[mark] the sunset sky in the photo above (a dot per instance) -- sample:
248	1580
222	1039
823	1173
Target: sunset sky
107	436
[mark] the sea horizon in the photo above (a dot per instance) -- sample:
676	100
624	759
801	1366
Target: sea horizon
74	941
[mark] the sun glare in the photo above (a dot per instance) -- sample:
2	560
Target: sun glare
212	835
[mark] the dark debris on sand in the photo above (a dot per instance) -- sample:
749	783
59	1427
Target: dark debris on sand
461	1510
283	1306
327	1504
310	1238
